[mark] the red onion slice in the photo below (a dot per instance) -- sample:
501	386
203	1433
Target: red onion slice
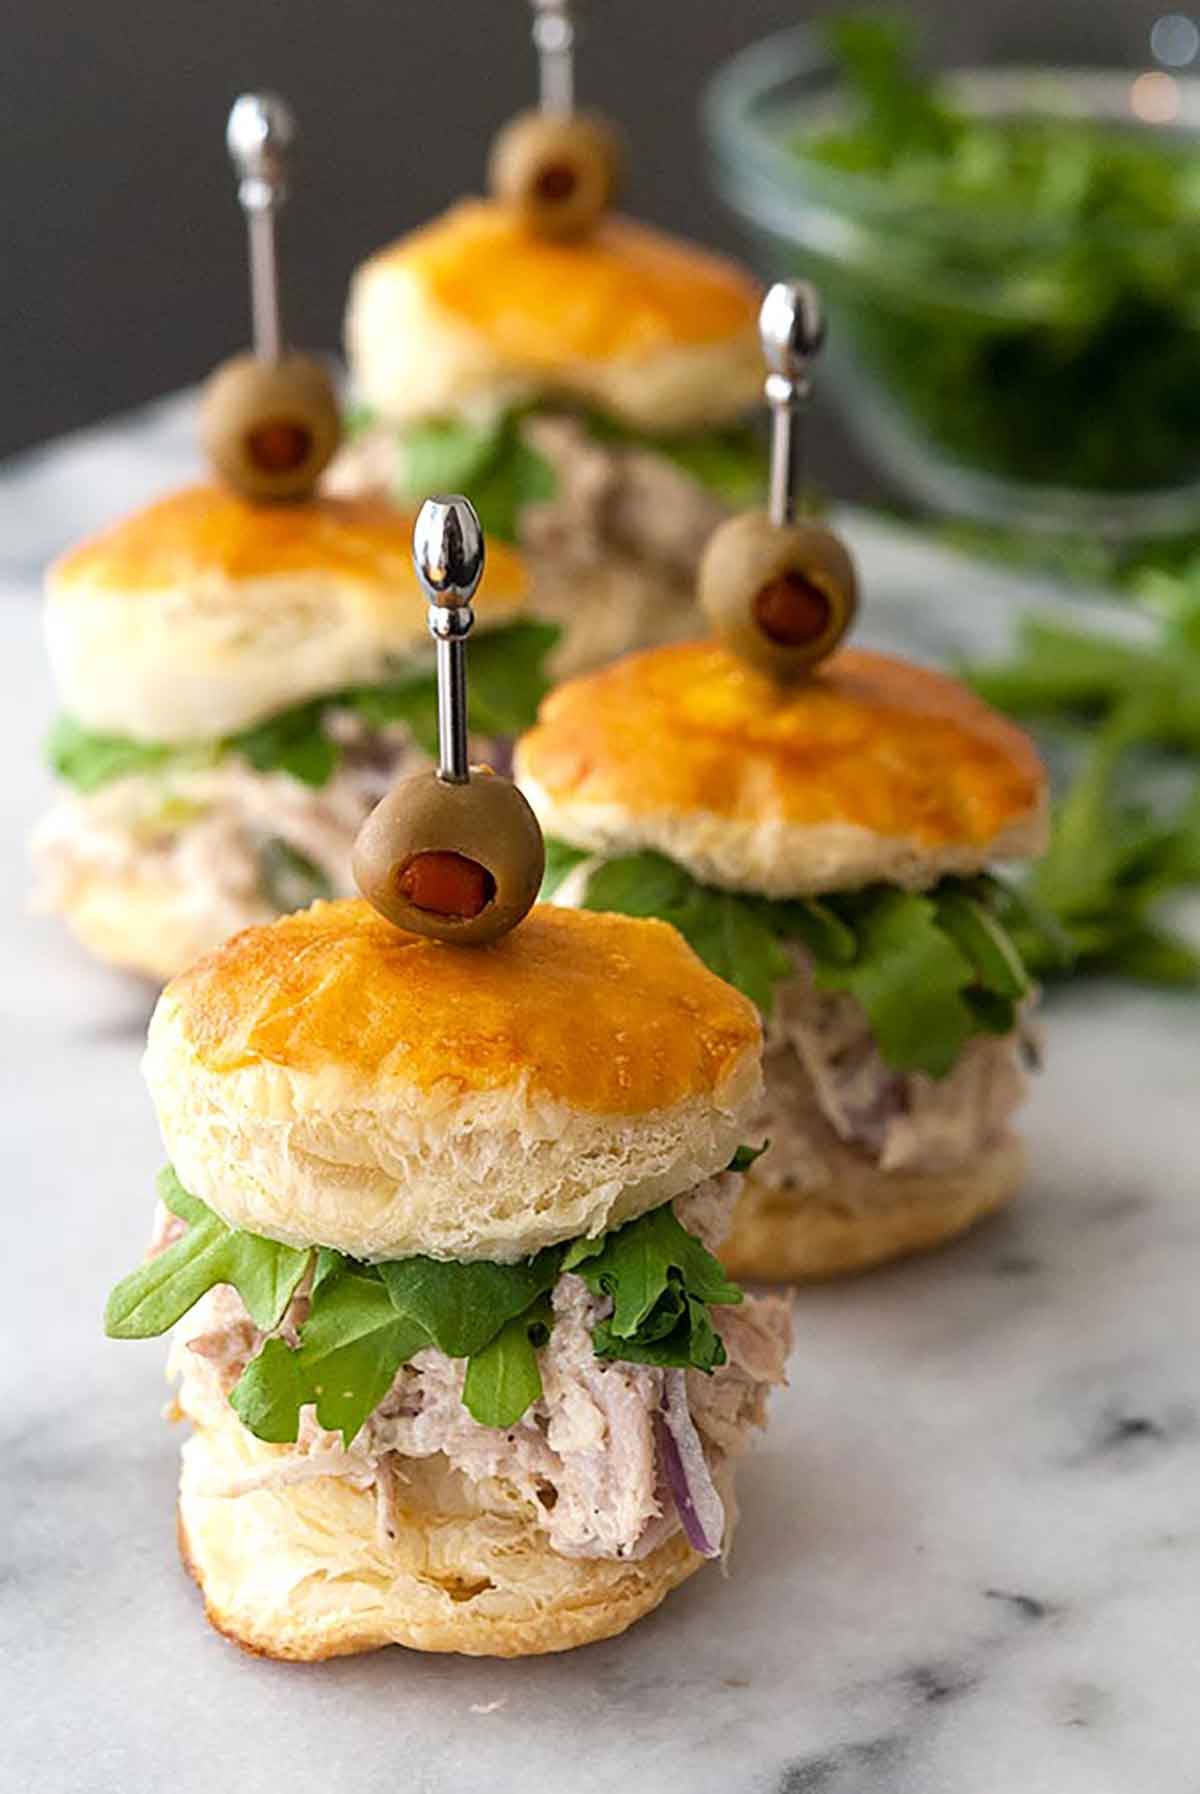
700	1508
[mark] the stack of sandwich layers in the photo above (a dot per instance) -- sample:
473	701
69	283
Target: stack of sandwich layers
590	395
241	683
825	845
463	1371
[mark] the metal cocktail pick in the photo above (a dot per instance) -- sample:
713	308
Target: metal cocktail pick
259	135
791	326
448	554
554	40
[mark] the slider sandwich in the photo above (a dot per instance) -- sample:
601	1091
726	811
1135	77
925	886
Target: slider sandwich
821	823
584	378
437	1241
241	682
244	668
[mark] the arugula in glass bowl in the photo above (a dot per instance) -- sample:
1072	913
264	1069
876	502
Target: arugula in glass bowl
1011	261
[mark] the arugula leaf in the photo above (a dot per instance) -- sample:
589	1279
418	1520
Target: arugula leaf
508	683
745	1156
446	454
981	938
901	113
503	1378
1110	861
508	676
490	462
411	701
917	964
461	1306
683	1336
161	1291
660	1279
366	1321
730	463
351	1346
729	932
1063	671
88	760
909	977
292	741
561	860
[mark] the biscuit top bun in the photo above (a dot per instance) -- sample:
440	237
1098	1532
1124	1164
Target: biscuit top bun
331	1080
475	308
203	613
873	769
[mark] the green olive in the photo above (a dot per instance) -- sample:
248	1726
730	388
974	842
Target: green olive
270	427
560	170
459	863
779	596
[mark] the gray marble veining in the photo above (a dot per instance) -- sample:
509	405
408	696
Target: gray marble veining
969	1556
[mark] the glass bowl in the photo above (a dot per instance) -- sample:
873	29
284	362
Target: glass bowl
1023	372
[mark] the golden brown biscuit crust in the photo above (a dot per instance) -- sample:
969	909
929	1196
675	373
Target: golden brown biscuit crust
871	742
781	1236
206	532
606	1013
623	291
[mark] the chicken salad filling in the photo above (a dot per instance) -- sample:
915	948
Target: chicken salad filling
633	1371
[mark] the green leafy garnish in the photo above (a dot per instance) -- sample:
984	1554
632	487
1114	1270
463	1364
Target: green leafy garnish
508	682
731	463
661	1280
503	1378
729	932
366	1321
1114	856
490	462
930	971
745	1156
461	1306
161	1291
293	741
88	760
351	1346
561	861
1110	863
500	472
1007	267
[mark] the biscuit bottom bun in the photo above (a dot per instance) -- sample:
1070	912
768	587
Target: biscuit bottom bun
150	926
782	1234
300	1572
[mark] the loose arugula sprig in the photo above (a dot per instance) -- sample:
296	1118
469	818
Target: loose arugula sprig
366	1321
508	682
1113	858
931	970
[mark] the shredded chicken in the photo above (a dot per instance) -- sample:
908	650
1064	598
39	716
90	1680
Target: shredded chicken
610	497
613	553
582	1462
826	1082
208	833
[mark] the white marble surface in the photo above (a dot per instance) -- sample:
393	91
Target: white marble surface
969	1560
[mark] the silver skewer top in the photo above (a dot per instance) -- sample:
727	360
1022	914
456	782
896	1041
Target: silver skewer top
448	554
259	136
791	326
554	40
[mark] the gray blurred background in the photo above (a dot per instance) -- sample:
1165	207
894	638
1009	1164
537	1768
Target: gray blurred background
123	264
